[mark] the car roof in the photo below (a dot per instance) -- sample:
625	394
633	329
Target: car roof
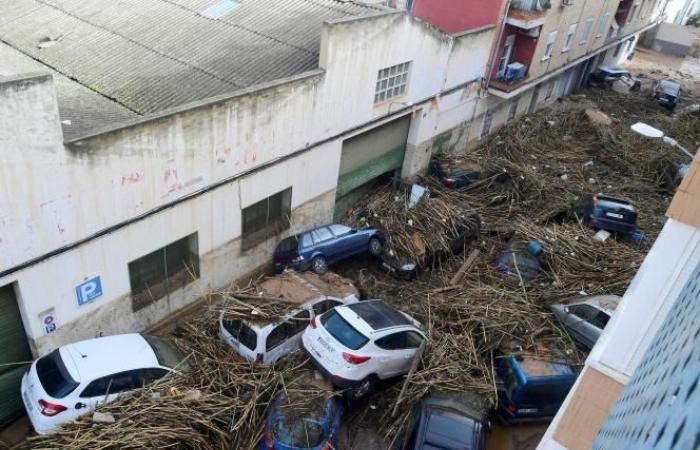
95	358
378	315
534	368
669	87
264	324
447	429
607	303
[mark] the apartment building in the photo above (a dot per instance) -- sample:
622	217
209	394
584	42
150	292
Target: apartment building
546	49
638	388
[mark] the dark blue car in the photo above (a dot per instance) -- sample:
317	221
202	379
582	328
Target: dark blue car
532	389
287	429
318	248
609	213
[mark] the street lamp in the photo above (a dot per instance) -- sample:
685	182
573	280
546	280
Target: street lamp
653	133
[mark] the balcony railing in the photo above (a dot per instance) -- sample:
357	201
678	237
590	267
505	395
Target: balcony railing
532	5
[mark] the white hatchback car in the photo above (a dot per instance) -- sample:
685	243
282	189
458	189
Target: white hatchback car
74	379
359	344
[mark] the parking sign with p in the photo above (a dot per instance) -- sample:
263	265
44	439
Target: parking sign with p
88	290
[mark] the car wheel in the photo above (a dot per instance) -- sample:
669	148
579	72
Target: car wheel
319	265
364	389
375	247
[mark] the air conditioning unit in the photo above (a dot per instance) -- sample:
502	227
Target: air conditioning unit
532	32
515	72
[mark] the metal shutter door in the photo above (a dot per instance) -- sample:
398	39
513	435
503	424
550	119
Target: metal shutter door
14	348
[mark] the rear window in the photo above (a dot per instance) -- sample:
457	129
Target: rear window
54	376
342	331
242	333
166	353
292	430
287	245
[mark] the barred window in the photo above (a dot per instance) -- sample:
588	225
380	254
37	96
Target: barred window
392	82
266	218
163	271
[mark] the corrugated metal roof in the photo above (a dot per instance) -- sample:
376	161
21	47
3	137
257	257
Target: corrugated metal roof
151	55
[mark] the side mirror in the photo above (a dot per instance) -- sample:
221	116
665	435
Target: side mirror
80	405
353	230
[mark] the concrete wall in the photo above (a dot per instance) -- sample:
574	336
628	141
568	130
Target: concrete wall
90	208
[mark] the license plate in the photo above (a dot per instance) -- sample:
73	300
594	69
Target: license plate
615	215
325	345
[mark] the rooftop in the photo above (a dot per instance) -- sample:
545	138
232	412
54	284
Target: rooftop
118	60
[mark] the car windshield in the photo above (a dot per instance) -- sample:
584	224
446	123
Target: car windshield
54	376
299	432
342	331
167	354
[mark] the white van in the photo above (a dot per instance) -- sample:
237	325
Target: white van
267	342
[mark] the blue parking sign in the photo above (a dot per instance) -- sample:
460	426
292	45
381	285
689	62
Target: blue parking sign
88	291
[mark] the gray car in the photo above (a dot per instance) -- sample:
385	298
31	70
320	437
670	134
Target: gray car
585	317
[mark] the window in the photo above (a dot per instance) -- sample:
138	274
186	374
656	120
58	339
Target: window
512	111
400	341
296	324
603	25
586	31
147	376
569	37
486	127
600	319
325	305
241	332
391	82
550	90
54	376
342	331
111	384
166	353
322	234
266	218
551	40
505	57
166	270
633	14
340	230
583	311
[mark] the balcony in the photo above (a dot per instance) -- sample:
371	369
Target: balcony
528	14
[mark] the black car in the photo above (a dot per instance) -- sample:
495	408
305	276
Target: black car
667	93
448	422
456	178
606	76
608	213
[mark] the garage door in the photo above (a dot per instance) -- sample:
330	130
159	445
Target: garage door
369	156
14	349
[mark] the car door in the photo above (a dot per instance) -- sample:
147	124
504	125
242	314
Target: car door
286	336
323	243
399	350
346	241
107	389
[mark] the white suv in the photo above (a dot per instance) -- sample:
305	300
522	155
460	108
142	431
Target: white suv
74	379
357	345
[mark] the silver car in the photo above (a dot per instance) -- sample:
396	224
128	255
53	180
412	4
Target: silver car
585	317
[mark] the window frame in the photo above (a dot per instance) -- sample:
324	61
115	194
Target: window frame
551	43
387	87
569	38
252	231
166	282
586	31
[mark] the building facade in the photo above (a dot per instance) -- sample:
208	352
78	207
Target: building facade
637	389
115	226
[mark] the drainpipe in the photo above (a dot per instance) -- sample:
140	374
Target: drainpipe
496	46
